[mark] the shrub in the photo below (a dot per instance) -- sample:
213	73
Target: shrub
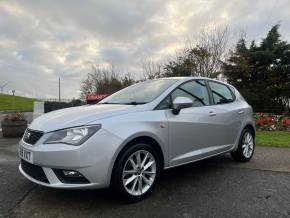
14	117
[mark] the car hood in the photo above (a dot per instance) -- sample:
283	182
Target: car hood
77	116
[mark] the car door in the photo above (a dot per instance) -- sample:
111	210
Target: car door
192	132
229	113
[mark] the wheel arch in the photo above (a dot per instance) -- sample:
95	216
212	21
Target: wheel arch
251	127
237	153
139	139
248	125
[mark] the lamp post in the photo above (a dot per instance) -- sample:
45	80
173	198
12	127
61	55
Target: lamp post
59	89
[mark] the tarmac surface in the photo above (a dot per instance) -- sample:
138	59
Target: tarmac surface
217	187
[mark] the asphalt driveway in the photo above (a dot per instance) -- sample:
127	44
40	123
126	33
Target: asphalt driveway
218	187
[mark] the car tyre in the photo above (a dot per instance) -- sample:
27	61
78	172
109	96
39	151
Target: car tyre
246	147
134	181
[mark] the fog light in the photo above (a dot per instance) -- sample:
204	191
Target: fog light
70	176
71	173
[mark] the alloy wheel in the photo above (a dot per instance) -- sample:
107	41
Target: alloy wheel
139	172
248	145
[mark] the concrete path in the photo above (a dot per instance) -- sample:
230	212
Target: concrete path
265	158
218	187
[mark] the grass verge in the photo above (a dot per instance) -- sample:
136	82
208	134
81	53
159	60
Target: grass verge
15	103
273	138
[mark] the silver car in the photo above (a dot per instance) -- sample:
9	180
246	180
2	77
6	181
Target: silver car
126	140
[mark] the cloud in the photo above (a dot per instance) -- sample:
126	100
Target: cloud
43	40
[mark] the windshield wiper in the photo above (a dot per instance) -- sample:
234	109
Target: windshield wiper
127	103
110	103
135	103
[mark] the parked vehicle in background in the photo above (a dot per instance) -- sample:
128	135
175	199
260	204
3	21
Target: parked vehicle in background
95	97
128	138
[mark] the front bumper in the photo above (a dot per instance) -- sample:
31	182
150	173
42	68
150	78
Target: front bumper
93	160
54	182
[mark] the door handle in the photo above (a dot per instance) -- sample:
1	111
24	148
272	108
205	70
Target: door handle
212	114
241	112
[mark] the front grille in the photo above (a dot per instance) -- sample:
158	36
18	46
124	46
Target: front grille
34	171
32	136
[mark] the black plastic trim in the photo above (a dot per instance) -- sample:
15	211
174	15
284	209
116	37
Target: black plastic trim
34	171
69	180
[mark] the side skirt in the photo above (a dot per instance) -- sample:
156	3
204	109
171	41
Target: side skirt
198	159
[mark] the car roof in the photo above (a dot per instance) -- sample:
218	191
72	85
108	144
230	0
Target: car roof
187	78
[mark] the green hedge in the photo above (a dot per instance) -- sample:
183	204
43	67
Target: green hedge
55	105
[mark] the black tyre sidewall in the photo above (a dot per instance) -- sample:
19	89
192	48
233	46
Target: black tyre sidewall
117	182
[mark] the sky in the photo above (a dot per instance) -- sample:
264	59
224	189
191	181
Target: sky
42	40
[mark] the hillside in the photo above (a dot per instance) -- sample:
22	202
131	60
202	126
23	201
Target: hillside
15	103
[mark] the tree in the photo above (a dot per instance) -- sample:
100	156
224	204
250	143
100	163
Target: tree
104	80
262	72
151	69
127	80
202	58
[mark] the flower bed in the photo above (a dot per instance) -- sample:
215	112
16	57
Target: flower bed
271	122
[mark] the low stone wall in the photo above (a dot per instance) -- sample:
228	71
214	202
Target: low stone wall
272	122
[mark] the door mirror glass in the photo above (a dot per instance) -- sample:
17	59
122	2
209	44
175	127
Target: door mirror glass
180	103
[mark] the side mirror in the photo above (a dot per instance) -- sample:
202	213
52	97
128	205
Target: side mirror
180	103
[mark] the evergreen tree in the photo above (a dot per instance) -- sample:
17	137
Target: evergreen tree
262	72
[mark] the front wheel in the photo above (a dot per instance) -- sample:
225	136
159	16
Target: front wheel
136	172
246	146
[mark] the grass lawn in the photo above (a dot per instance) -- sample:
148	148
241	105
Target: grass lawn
15	103
273	138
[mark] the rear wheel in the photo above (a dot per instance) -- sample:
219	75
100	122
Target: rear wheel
246	146
136	172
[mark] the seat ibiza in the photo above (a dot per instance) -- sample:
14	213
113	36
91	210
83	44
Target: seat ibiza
128	138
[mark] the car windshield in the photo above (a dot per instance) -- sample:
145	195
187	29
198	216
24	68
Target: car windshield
139	93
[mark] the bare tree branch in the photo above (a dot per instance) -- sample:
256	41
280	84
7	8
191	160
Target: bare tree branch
151	69
203	57
105	80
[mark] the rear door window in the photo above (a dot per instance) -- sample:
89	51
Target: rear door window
221	93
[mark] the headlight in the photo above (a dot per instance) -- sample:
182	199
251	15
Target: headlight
72	136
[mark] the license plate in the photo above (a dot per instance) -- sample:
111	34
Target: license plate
25	154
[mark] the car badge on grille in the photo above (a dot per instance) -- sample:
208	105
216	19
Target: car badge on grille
28	135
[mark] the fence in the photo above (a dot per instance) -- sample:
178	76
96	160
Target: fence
273	109
55	99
